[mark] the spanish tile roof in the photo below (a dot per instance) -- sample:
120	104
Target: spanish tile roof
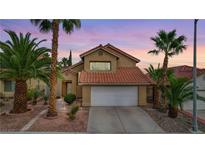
122	76
185	71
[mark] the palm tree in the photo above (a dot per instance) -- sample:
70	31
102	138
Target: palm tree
45	25
179	91
156	75
169	44
23	59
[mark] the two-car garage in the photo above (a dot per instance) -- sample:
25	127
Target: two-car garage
114	95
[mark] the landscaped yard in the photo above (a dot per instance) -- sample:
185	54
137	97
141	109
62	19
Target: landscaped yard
181	124
61	123
14	122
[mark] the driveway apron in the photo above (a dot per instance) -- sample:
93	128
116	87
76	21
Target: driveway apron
121	120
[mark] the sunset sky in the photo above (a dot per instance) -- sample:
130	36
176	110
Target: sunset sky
132	36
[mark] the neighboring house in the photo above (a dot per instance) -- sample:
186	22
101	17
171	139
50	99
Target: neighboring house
185	71
7	87
105	76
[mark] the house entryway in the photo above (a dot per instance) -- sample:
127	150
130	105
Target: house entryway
66	87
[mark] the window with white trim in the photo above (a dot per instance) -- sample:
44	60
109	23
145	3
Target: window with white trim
100	66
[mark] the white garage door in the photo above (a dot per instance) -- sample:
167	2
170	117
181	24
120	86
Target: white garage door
114	95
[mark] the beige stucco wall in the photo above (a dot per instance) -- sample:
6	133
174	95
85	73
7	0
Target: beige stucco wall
96	57
31	84
35	83
4	93
86	93
123	61
142	95
78	68
67	76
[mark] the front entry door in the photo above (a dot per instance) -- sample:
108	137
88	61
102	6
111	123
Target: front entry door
66	87
69	87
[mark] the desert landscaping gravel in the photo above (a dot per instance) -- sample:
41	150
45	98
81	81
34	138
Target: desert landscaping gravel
14	122
62	123
181	124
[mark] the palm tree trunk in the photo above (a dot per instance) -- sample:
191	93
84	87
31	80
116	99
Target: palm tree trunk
20	100
164	82
52	112
156	98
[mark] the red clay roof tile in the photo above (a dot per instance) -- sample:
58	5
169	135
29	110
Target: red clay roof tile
186	71
123	76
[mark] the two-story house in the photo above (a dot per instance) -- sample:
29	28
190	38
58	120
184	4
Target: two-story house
105	76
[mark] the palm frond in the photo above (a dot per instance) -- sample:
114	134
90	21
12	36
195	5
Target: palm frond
22	58
69	25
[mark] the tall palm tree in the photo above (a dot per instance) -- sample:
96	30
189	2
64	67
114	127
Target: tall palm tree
23	59
45	25
169	44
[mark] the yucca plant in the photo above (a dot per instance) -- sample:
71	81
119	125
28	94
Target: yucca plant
23	59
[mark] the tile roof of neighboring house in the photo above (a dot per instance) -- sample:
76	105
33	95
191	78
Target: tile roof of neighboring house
186	71
123	76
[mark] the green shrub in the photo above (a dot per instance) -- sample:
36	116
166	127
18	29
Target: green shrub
29	94
36	94
69	98
73	112
45	97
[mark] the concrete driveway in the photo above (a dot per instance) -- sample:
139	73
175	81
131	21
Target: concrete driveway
120	120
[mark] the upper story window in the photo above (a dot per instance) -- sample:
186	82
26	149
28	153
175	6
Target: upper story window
9	86
100	66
